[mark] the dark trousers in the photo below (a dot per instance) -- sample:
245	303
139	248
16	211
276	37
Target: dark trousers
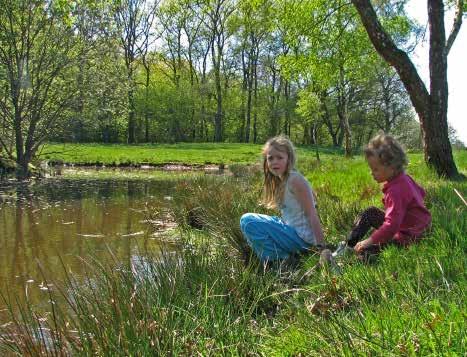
372	217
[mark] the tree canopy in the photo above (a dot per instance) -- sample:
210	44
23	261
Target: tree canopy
219	70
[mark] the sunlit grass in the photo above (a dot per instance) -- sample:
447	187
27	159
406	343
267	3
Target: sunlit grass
212	298
156	154
159	154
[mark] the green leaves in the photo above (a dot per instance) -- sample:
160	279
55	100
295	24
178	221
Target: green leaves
308	104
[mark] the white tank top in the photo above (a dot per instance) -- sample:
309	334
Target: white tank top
293	213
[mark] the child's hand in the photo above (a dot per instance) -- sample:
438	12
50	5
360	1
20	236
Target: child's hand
362	245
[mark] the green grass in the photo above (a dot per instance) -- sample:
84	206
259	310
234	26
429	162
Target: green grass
212	298
157	154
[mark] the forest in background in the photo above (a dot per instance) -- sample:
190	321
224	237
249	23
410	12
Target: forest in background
166	71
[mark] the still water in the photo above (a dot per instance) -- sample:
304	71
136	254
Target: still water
55	224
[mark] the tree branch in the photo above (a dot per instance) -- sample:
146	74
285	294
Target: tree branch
456	25
397	58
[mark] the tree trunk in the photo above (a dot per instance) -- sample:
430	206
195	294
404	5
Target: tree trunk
146	106
342	112
77	133
217	75
192	92
249	100
204	125
242	104
255	97
430	107
273	110
340	135
327	120
22	170
438	152
315	139
131	118
287	113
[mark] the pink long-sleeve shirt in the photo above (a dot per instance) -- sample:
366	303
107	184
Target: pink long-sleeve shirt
406	216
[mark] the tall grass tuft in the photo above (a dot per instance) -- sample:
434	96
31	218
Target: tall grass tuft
185	303
216	205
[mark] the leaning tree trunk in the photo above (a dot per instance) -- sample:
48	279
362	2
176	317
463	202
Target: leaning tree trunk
430	107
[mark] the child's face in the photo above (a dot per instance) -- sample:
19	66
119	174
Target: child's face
277	161
380	172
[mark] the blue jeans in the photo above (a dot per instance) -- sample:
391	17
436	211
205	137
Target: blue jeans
270	238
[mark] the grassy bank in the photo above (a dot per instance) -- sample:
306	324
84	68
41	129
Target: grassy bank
215	300
156	154
159	154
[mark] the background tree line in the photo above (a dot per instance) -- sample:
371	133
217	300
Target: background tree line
145	71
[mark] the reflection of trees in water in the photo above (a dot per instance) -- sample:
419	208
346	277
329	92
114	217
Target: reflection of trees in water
132	188
65	215
27	245
79	227
28	248
3	227
19	265
59	190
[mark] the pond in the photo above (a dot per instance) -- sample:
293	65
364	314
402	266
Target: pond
55	224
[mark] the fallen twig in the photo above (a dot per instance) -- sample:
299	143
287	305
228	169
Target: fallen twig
460	196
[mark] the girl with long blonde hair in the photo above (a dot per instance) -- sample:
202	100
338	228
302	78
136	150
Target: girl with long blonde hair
299	228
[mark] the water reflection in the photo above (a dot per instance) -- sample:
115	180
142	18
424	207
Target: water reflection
62	221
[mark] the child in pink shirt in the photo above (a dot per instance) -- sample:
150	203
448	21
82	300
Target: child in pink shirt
405	217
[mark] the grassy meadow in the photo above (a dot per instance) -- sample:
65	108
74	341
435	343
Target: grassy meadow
213	298
158	154
151	154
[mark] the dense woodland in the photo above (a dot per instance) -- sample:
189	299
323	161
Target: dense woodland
144	71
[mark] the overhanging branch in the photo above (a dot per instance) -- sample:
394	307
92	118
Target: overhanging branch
456	25
397	58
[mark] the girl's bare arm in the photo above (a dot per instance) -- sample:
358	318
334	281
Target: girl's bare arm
304	196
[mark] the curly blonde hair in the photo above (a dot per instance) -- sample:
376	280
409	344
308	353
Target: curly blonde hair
274	186
388	151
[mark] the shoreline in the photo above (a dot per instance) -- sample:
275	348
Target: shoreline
167	166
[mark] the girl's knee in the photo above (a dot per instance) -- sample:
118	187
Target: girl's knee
246	219
368	211
370	214
373	209
258	220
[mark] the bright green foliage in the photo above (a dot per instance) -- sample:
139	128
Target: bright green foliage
308	105
194	74
38	49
